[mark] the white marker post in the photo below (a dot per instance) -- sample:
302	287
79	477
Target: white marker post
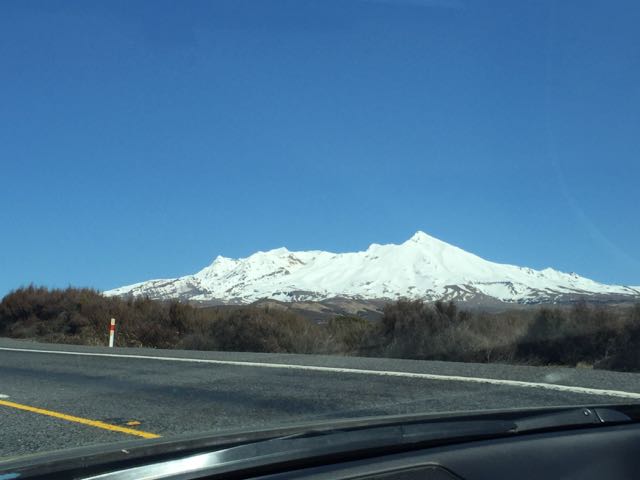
112	332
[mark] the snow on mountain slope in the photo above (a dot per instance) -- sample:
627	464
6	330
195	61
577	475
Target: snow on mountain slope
422	267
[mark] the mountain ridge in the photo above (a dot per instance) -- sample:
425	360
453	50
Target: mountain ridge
421	267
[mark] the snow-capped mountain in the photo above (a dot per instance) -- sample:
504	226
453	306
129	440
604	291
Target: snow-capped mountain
422	267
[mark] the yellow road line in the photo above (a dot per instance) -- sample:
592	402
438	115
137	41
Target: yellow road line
84	421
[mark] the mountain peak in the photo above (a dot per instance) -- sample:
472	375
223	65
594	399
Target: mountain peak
424	239
420	236
422	267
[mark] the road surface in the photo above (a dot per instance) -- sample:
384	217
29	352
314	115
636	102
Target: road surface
60	396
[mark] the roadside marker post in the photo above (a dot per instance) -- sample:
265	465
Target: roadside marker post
112	332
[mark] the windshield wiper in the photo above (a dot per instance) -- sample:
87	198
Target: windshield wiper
320	446
576	417
326	446
320	443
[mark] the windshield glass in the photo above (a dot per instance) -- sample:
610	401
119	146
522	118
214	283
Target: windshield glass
245	214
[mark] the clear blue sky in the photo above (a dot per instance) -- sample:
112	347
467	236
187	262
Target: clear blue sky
141	139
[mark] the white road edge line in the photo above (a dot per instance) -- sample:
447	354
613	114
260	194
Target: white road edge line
383	373
3	396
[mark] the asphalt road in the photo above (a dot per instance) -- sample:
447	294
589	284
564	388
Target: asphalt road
46	396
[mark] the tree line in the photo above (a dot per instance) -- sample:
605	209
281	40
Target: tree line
597	336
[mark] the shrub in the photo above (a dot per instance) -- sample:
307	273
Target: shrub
259	330
82	316
347	333
600	336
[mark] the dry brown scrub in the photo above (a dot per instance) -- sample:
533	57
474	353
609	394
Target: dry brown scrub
586	335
